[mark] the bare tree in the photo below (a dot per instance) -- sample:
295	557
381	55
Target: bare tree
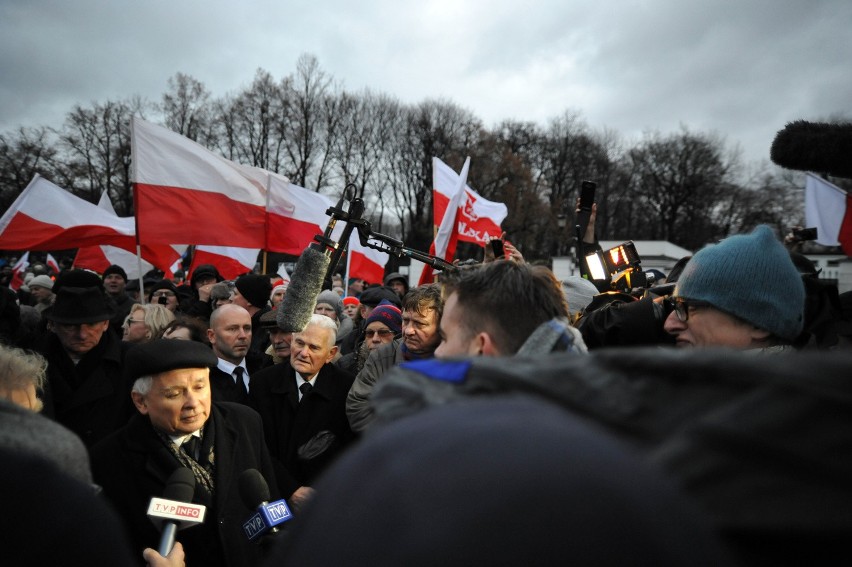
186	107
96	151
23	154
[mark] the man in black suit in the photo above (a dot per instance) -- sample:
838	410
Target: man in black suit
230	335
178	426
303	406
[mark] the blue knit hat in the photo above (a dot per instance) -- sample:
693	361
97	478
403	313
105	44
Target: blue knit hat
751	277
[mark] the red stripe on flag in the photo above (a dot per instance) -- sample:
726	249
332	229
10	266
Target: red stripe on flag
205	218
24	232
91	258
364	268
845	235
288	235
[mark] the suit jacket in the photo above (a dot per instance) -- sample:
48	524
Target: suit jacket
225	389
134	464
303	437
92	399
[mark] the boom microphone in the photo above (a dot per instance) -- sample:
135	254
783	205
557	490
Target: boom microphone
814	146
174	511
305	285
255	494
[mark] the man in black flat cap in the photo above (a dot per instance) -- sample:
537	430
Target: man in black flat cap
178	425
86	390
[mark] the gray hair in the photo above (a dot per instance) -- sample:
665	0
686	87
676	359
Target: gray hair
19	369
142	385
324	322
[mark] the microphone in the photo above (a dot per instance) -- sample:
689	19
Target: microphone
305	285
269	515
174	511
814	146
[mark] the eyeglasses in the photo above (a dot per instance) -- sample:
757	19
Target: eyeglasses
163	294
681	307
129	321
381	332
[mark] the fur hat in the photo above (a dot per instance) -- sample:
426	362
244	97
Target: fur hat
388	314
115	269
78	305
750	276
255	288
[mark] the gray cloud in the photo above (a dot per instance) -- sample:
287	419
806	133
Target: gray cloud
742	69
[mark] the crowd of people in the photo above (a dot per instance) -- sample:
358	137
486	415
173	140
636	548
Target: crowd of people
497	415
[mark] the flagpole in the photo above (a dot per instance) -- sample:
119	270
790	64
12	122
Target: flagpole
348	263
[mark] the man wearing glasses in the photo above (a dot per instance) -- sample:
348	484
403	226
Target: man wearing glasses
743	293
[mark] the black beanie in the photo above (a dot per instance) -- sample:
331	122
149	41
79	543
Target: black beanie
115	269
256	289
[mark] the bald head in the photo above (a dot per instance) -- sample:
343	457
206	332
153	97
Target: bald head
230	332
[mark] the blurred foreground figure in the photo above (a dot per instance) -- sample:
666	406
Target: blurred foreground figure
497	482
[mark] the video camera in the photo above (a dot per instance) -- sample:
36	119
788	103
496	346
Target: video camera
619	266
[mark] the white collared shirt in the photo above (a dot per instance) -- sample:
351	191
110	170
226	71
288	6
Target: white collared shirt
228	368
299	381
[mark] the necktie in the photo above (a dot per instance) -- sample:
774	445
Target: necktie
238	375
190	446
305	388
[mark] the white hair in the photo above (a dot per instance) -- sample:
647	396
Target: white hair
324	322
142	385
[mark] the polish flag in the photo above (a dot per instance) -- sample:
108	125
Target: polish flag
366	263
99	258
47	217
829	209
444	245
296	215
229	261
18	271
478	219
189	195
52	263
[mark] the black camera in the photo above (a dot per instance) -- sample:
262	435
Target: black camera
163	300
805	233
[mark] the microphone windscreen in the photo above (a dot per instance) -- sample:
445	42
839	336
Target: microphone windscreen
299	303
813	146
253	488
180	486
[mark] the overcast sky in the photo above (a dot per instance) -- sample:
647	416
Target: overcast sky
741	69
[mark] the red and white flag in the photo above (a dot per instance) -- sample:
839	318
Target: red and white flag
294	216
18	271
444	245
52	263
366	263
829	209
99	258
479	219
297	214
186	194
47	217
229	261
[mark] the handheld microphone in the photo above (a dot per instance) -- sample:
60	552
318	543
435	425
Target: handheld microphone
269	515
174	511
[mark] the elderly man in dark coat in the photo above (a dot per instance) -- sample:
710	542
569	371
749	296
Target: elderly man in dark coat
178	426
303	405
86	390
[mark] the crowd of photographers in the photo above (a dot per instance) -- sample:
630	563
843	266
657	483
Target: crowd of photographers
500	415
